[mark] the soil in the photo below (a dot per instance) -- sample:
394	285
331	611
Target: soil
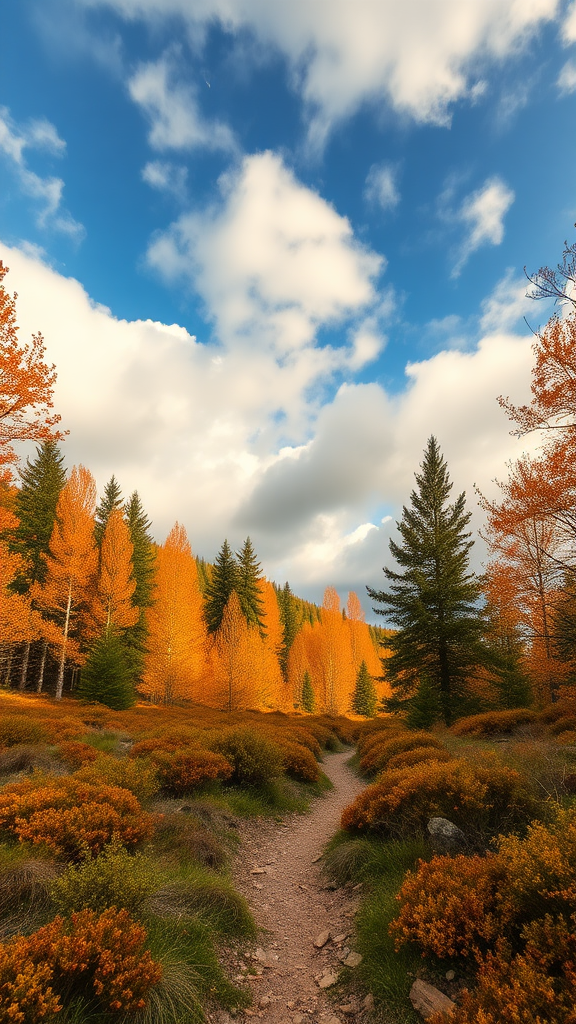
278	869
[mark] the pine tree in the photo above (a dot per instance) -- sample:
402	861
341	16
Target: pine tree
107	676
224	581
433	601
308	698
248	588
291	622
111	499
143	570
364	699
42	480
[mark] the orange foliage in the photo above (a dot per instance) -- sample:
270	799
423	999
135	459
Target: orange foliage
177	632
361	643
18	621
183	770
238	658
111	607
72	559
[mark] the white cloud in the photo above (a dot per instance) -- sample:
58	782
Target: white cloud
37	134
417	55
381	188
569	25
166	177
172	108
483	214
567	78
507	304
272	261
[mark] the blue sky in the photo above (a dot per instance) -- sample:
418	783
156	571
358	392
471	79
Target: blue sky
273	247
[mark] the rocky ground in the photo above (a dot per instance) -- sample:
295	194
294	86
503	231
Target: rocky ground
307	927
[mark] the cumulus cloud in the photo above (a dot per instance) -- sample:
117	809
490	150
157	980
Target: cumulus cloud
172	109
166	177
483	214
42	135
418	55
381	188
569	25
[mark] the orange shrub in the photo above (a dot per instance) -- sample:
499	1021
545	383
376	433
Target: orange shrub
143	748
377	756
418	756
299	762
490	723
381	729
137	775
21	729
479	798
567	723
68	815
450	905
76	754
99	955
184	770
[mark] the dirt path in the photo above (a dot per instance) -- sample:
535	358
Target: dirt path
277	873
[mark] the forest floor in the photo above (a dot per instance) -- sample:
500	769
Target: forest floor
278	870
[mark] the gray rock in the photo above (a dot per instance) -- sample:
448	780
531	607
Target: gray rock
428	1000
322	939
353	960
446	836
368	1002
327	980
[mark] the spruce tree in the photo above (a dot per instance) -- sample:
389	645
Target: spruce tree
364	699
143	570
247	586
290	621
224	580
112	498
433	600
42	480
308	698
107	675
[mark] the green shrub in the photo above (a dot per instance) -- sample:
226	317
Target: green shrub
115	878
255	759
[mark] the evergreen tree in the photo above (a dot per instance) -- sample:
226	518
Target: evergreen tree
290	622
204	573
247	587
112	498
42	480
308	698
424	708
107	675
364	699
224	581
143	570
433	601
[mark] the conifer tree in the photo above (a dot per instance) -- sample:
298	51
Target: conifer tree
143	570
364	699
224	581
308	698
42	479
247	587
107	676
290	621
433	600
111	499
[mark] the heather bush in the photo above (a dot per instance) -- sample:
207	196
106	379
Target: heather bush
492	723
76	754
299	762
567	723
115	878
376	759
21	729
186	770
480	798
138	776
418	755
67	814
255	759
143	748
26	995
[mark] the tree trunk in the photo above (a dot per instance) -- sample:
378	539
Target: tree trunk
40	680
24	668
60	681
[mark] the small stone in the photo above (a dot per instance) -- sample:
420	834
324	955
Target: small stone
368	1002
450	975
258	871
341	937
356	888
446	836
264	1002
260	955
316	859
353	960
322	939
428	1000
327	980
346	1008
291	1005
298	1018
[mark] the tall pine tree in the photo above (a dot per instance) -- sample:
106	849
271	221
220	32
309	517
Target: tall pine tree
224	580
291	621
143	571
433	600
111	499
364	698
247	587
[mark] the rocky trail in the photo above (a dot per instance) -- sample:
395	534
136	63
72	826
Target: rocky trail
305	924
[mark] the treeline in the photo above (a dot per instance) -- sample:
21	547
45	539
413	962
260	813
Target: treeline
91	603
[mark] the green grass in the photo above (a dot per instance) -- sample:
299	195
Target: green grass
277	797
106	741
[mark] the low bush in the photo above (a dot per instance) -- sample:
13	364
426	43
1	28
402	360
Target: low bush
567	723
115	878
481	799
68	815
100	957
183	771
492	723
299	762
418	755
21	729
143	748
255	759
138	776
75	753
377	757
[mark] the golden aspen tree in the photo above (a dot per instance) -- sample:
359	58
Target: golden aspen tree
72	560
299	663
237	658
335	666
174	664
112	607
361	643
273	689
